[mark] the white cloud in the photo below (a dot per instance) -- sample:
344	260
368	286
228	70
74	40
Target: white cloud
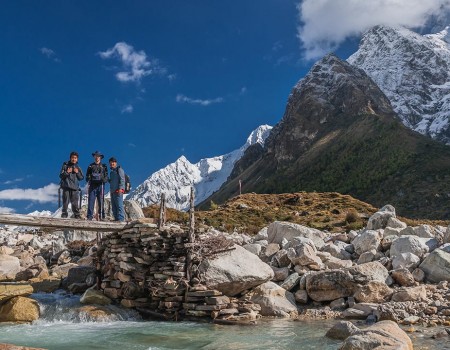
6	210
135	64
9	182
184	99
243	90
49	53
127	109
325	24
132	145
45	194
172	77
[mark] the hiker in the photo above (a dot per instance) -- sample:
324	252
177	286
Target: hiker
96	177
70	176
117	189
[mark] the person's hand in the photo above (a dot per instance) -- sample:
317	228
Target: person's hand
75	170
69	170
120	191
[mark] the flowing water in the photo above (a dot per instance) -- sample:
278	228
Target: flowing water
61	327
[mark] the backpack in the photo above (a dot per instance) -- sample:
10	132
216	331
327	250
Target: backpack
127	184
97	174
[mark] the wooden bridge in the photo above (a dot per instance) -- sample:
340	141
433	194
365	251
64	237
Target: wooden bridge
58	223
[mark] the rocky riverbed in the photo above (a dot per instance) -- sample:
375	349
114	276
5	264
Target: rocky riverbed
387	271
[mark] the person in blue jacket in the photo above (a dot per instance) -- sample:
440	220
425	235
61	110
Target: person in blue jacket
117	189
96	177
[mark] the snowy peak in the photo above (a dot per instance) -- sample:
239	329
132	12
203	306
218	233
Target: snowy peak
413	71
207	175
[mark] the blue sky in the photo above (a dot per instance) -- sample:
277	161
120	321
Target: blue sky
145	81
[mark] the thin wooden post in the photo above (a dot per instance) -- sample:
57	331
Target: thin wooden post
191	236
162	211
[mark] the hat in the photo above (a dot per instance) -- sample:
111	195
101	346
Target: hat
97	154
112	159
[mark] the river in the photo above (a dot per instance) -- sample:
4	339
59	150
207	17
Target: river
62	329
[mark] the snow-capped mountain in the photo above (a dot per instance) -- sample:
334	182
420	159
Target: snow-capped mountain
413	71
207	175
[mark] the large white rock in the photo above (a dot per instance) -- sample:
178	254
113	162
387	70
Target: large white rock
408	244
9	267
405	260
334	284
366	240
133	210
274	300
382	335
380	218
280	229
395	223
436	266
234	271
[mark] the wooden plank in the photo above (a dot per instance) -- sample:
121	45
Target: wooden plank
58	223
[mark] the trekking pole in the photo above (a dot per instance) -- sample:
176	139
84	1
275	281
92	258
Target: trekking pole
102	214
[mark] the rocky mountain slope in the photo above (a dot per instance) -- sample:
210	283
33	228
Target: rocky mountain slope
207	175
340	133
413	71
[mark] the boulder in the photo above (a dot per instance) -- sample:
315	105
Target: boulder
280	229
403	277
133	210
253	248
405	261
408	244
290	282
395	223
261	235
335	263
334	284
366	241
92	296
381	335
410	294
380	218
19	309
281	258
62	271
234	271
373	292
280	273
11	290
81	275
6	250
436	266
337	249
303	254
301	296
9	267
367	257
274	300
342	330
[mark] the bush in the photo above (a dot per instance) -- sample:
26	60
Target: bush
351	216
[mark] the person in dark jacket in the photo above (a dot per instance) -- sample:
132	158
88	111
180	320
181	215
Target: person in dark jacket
117	189
70	176
96	177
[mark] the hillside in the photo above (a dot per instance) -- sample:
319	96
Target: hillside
340	134
251	212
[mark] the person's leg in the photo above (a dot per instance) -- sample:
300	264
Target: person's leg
74	199
120	211
98	195
114	205
65	205
91	202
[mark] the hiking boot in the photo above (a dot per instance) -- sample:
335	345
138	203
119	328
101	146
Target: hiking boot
77	216
63	216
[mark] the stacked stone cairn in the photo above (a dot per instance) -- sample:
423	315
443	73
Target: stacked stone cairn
145	268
